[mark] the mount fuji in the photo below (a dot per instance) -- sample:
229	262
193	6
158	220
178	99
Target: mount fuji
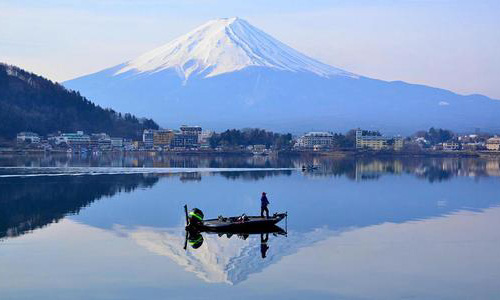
227	74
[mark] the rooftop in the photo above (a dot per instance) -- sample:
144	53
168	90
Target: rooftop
319	134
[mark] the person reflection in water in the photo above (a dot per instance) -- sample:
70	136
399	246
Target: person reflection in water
263	205
263	244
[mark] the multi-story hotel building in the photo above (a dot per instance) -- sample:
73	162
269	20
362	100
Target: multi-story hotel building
163	138
190	130
148	138
78	139
377	142
315	139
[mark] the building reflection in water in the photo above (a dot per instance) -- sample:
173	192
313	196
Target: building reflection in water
30	203
354	168
431	169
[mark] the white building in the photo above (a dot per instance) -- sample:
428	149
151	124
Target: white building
28	137
450	146
116	142
493	144
259	149
315	140
78	139
204	138
191	130
148	138
100	141
377	142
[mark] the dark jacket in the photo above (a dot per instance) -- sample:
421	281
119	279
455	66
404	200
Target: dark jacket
263	201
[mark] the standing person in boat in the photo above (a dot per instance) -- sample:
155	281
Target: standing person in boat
263	205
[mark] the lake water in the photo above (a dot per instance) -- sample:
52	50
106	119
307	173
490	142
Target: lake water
112	227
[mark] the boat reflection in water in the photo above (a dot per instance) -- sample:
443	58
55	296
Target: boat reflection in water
195	237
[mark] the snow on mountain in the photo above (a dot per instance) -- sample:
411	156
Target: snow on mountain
229	74
226	45
222	259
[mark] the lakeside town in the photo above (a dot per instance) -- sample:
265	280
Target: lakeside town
193	139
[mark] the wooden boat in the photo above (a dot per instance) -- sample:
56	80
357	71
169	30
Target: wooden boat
243	223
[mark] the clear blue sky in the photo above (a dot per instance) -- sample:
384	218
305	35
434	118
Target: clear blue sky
443	43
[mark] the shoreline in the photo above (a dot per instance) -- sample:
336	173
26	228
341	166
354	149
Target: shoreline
346	153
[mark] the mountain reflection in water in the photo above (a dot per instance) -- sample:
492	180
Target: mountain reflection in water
222	258
146	208
28	203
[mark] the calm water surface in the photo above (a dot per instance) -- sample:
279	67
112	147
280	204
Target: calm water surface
112	227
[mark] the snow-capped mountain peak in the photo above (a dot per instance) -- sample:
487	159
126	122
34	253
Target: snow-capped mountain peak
226	45
229	74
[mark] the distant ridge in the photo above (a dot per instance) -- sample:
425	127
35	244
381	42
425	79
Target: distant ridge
29	102
227	73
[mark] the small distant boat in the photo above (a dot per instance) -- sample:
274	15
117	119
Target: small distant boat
243	223
260	153
309	167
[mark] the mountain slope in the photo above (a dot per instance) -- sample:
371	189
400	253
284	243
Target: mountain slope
223	46
227	73
32	103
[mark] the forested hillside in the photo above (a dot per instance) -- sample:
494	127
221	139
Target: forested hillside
29	102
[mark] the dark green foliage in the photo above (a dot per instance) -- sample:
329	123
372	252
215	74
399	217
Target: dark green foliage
345	141
32	103
436	136
254	136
